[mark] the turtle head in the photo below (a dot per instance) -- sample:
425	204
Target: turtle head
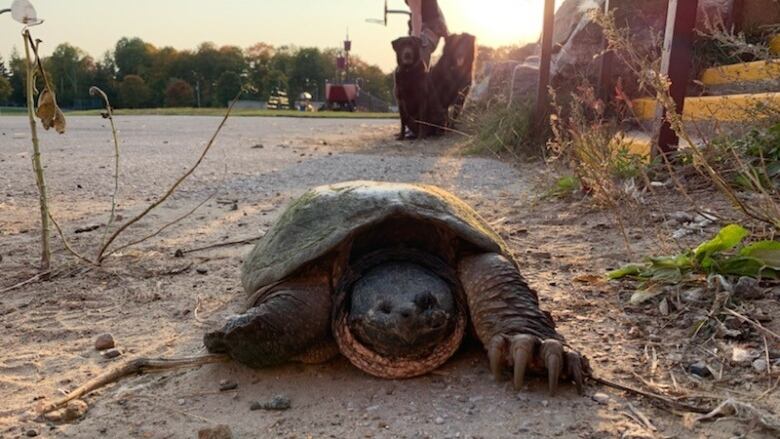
401	309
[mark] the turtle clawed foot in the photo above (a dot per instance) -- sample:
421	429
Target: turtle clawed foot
528	353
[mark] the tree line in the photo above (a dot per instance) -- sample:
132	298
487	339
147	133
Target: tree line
137	74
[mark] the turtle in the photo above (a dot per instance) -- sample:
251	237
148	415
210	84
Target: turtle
393	276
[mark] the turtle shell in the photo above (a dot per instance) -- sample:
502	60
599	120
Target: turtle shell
324	217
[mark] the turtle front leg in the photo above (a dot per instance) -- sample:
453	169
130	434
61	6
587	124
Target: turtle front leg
514	331
292	322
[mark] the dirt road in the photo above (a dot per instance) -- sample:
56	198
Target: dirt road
158	305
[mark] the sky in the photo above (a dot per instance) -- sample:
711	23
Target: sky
95	25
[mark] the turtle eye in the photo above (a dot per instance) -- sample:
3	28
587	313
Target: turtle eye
425	301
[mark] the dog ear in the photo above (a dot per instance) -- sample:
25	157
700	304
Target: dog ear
397	43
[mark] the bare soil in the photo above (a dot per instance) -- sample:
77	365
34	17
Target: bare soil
155	304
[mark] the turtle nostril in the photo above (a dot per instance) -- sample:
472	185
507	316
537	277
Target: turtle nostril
385	308
405	313
425	301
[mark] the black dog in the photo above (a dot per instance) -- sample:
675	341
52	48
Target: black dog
418	102
454	73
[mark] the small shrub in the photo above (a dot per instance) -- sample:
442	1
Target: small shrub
505	130
179	93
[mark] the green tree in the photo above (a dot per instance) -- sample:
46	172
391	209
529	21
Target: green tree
179	94
133	56
309	71
4	72
16	66
5	89
105	77
71	72
5	84
228	86
133	92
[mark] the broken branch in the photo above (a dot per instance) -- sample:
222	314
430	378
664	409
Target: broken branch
137	366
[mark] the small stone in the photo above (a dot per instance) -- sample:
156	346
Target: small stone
258	146
760	365
31	433
700	369
179	253
748	288
181	401
278	402
545	403
743	356
104	341
201	270
218	432
663	307
601	398
439	420
227	385
111	353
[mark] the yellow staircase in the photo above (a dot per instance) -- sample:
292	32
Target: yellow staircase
733	107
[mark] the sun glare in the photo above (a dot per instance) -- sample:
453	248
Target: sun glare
498	22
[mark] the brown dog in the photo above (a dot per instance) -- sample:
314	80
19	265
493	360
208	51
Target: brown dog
454	73
418	102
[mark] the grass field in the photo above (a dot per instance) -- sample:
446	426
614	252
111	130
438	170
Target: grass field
12	111
240	113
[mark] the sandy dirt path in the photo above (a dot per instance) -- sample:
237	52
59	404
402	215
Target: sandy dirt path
158	305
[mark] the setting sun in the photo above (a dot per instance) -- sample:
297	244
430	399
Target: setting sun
496	22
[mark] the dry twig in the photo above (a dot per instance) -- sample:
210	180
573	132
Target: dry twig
102	254
132	367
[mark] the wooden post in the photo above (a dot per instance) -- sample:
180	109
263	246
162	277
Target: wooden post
676	63
543	96
606	72
737	17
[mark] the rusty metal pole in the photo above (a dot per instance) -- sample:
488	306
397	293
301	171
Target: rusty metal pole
543	96
677	63
607	63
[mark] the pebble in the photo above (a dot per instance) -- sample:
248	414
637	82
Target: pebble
201	270
104	341
218	432
227	385
439	420
545	403
278	402
748	288
741	355
760	365
31	433
699	369
111	353
601	398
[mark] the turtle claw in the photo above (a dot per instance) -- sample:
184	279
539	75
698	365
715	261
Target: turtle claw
529	353
552	354
497	352
576	367
523	347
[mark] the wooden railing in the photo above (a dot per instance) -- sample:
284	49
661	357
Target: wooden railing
676	63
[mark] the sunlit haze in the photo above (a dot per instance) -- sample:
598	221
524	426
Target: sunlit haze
95	26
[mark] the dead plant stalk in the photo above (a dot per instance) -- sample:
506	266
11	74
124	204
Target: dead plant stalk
40	179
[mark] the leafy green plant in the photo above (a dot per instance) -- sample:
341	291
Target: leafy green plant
564	186
720	255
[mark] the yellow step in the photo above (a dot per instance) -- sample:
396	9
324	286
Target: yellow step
743	72
727	108
774	45
635	142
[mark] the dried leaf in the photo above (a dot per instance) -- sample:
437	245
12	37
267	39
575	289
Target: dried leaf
49	113
590	279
